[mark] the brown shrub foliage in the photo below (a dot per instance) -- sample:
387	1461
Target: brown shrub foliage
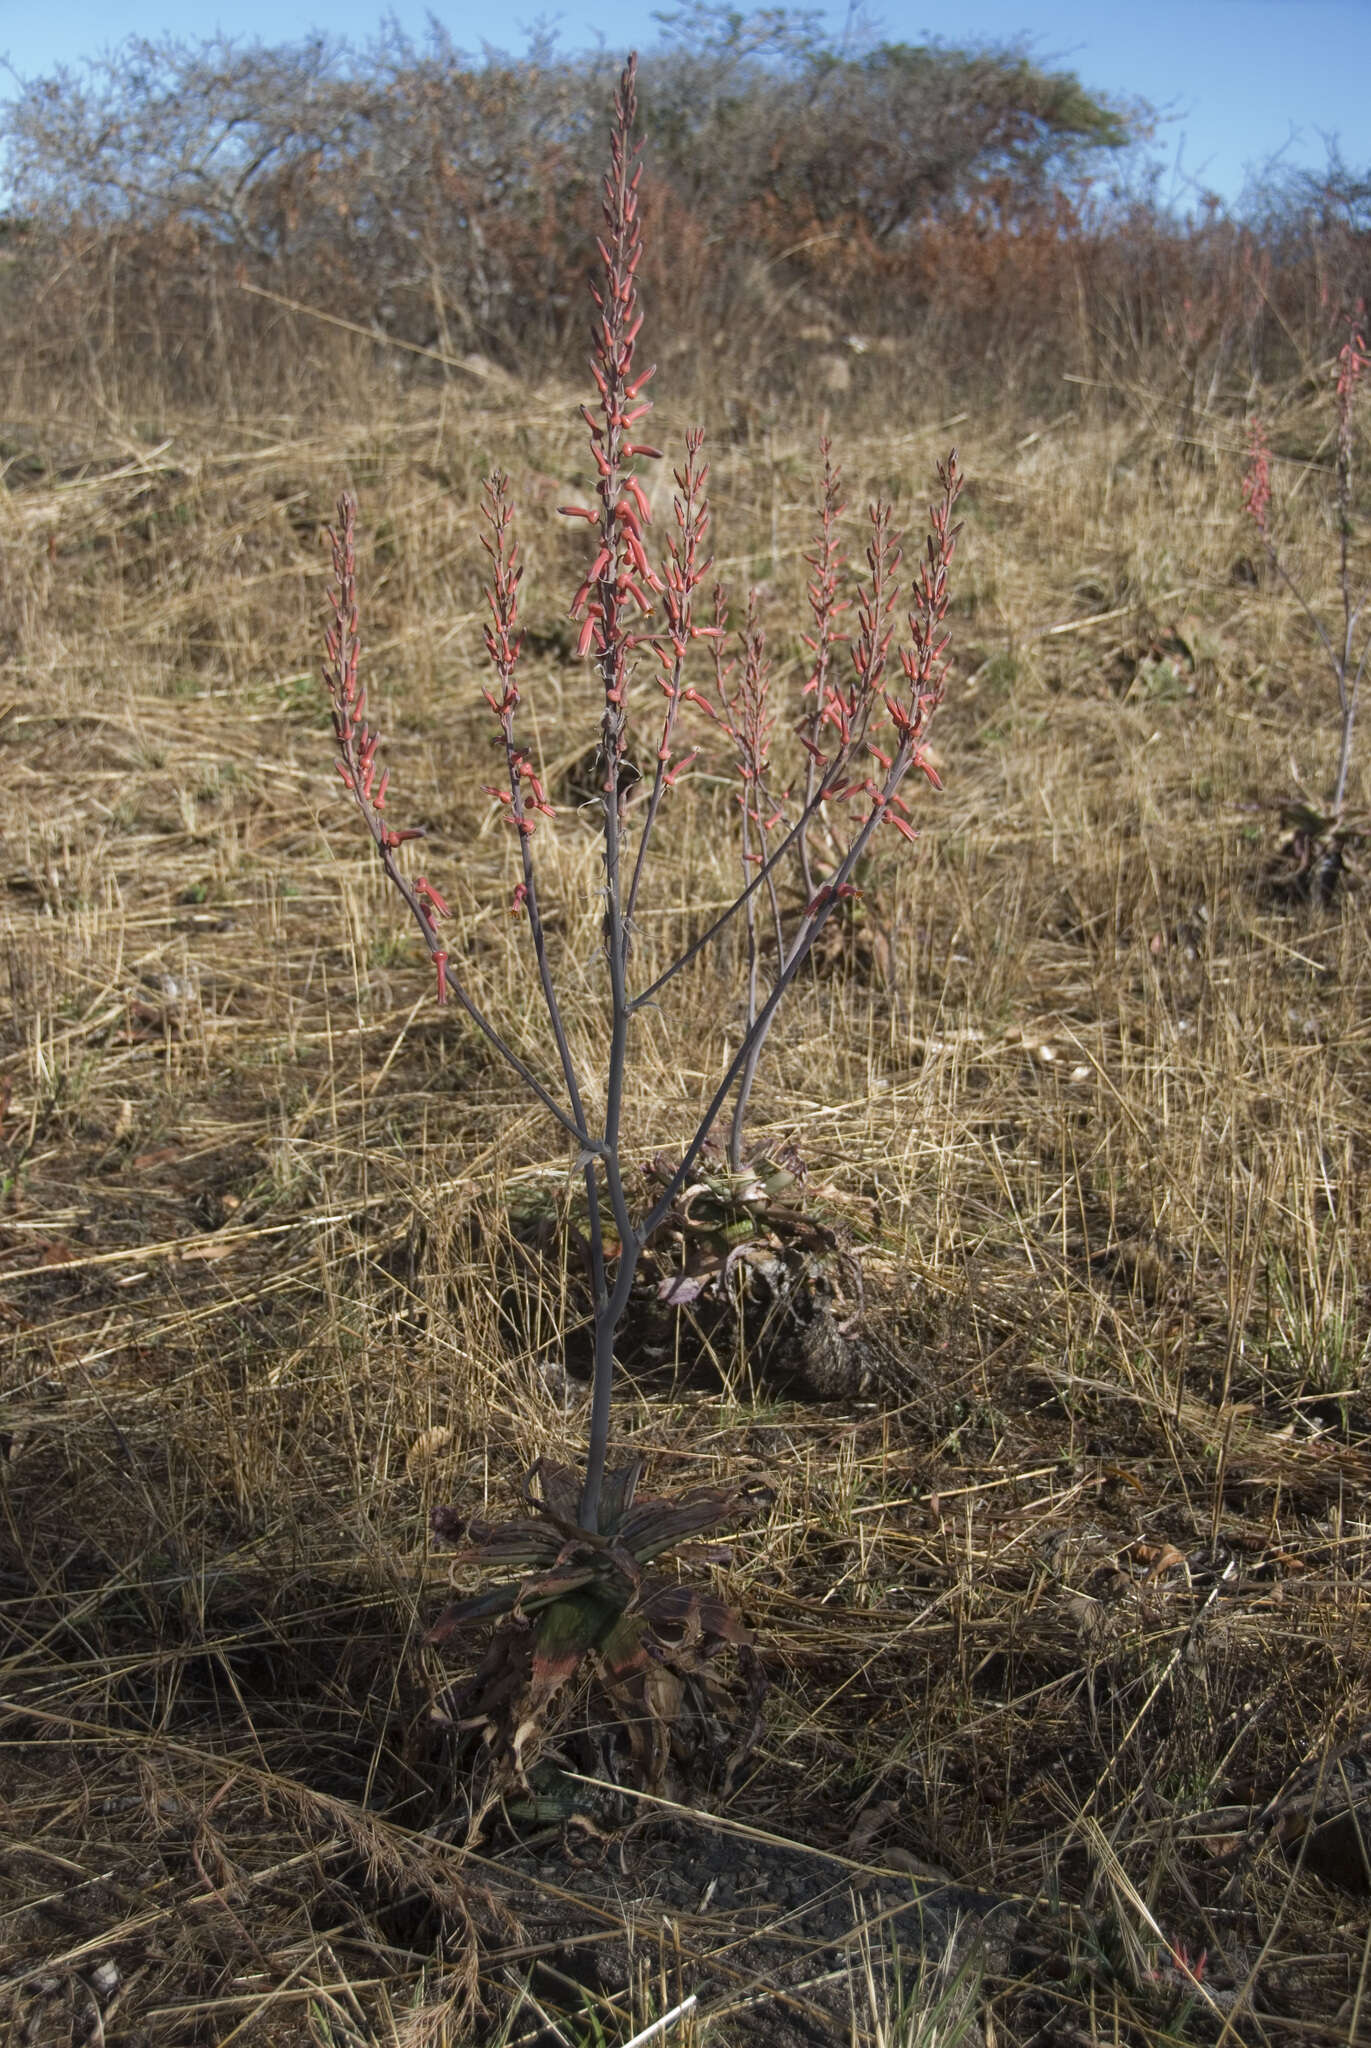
180	204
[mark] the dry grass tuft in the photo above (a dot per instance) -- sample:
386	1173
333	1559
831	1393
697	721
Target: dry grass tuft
1071	1609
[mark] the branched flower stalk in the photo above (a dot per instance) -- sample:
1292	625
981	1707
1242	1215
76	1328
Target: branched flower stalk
358	765
1348	669
861	735
859	727
613	594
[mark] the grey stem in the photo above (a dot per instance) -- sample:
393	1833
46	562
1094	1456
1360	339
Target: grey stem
609	1311
750	1049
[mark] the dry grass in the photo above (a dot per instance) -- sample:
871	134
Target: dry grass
1072	1608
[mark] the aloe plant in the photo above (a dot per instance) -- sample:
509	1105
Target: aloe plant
863	733
586	1595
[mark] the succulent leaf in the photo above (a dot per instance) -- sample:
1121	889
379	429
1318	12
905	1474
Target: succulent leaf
623	1651
566	1631
454	1619
555	1585
656	1525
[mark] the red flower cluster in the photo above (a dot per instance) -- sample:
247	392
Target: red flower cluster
849	701
359	742
621	572
1256	485
523	792
1352	362
828	563
742	712
685	570
849	706
925	661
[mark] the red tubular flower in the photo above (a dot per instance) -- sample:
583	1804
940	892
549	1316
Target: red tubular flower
924	662
828	562
1352	362
358	759
427	894
743	711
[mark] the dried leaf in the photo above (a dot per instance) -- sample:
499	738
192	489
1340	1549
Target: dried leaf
555	1490
679	1289
496	1543
868	1825
1123	1477
663	1693
1158	1557
619	1486
208	1251
499	1680
683	1616
426	1447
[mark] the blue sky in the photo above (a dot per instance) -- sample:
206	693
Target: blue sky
1238	80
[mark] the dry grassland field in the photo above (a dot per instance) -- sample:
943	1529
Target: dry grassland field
1058	1579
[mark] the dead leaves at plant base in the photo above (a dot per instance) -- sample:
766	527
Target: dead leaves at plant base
659	1702
657	1709
1317	856
758	1276
722	1216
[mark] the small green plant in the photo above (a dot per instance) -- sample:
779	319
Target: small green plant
1320	837
1315	1334
938	2007
863	728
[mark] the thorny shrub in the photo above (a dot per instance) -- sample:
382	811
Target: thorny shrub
863	728
190	206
